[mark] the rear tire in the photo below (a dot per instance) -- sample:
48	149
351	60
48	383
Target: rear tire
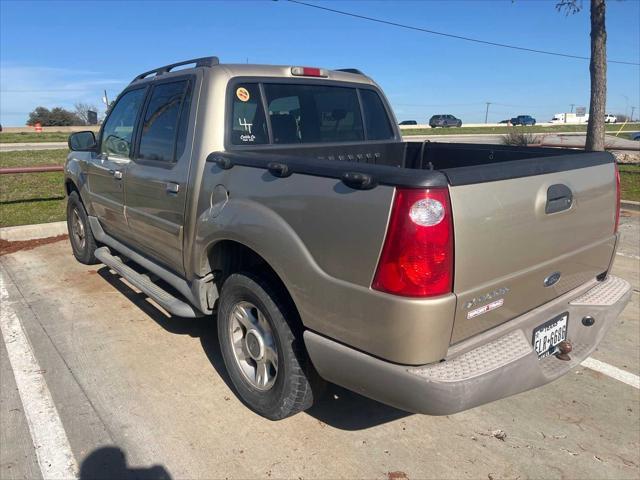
81	238
262	348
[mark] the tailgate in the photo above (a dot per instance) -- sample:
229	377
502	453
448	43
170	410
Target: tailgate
513	253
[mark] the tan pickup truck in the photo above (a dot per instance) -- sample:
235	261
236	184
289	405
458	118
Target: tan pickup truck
282	203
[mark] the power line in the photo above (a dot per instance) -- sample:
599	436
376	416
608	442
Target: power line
459	37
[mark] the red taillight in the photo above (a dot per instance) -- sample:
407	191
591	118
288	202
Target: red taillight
617	199
417	257
308	72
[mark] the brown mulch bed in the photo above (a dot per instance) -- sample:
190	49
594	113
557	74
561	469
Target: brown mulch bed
7	247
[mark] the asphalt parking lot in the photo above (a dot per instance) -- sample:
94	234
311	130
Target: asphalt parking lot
139	394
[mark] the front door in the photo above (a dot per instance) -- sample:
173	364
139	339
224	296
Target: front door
156	180
108	169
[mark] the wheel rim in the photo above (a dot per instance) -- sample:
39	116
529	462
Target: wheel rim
77	229
253	345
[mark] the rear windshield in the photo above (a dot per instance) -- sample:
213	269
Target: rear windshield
302	113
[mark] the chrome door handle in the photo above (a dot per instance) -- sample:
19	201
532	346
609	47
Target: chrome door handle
172	187
117	174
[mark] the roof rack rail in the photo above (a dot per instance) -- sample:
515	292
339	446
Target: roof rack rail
199	62
350	70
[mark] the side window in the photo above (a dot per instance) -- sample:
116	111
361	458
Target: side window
118	131
160	125
375	115
248	125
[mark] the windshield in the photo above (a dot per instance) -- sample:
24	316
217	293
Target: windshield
306	113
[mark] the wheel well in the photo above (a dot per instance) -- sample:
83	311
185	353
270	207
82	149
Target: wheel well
69	187
228	257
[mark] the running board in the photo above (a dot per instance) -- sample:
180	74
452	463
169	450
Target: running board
162	297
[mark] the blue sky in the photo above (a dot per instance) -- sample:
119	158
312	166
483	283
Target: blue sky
59	53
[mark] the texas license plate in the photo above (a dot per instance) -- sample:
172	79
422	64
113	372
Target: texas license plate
547	336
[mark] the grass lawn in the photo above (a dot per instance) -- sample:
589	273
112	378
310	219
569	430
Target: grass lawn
630	182
611	129
32	197
33	137
627	135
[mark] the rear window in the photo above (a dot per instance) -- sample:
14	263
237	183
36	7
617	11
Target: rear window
300	113
377	121
248	126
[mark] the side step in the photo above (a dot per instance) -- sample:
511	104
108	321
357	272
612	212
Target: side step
162	297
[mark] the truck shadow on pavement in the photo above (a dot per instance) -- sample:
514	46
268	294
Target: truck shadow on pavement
110	463
336	406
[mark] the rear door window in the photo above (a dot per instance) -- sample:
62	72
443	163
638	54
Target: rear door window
248	125
161	122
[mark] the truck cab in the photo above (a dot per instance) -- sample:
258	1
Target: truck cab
281	204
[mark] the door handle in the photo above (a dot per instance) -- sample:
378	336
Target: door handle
117	174
172	188
559	198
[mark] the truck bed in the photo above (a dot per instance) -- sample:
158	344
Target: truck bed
510	232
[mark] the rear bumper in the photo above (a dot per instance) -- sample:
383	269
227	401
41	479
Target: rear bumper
487	367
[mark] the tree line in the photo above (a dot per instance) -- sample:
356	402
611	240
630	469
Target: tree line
61	117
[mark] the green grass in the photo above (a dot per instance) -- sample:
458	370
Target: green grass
32	197
33	137
627	135
611	129
630	182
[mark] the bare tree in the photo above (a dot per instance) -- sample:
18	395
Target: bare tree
597	69
82	110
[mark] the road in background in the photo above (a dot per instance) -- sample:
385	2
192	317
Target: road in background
138	390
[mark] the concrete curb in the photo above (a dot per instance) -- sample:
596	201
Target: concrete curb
33	232
629	205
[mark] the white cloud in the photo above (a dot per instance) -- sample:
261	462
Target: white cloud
23	88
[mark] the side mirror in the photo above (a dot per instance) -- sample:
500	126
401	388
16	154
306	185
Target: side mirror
82	141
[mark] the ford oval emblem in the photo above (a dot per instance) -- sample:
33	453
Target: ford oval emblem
552	279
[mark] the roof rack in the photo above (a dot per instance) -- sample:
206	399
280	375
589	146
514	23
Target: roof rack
199	62
350	70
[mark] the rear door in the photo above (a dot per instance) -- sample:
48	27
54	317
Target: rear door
107	170
156	181
522	242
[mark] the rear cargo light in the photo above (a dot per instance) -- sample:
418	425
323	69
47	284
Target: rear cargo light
308	72
417	256
617	199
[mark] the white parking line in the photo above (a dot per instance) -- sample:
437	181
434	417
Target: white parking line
613	372
628	255
49	438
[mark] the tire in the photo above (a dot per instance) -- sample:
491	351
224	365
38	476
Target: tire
261	347
81	238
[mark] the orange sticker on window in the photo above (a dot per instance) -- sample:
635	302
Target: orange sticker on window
242	94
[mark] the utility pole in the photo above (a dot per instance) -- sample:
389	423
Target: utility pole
486	113
632	110
572	105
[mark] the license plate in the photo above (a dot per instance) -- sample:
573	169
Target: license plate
547	336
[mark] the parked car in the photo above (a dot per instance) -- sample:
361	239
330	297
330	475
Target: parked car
408	122
526	120
610	118
289	211
444	121
635	136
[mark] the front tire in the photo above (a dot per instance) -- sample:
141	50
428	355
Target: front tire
81	238
262	350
